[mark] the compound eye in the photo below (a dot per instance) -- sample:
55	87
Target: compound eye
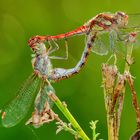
122	14
32	41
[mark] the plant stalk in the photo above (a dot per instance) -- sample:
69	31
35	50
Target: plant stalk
63	108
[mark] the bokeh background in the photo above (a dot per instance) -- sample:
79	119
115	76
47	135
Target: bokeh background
21	19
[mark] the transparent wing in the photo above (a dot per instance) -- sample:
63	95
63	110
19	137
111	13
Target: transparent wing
42	107
112	41
18	108
42	97
133	23
123	35
116	40
134	20
136	43
119	40
100	46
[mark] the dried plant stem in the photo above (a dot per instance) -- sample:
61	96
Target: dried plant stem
63	108
128	63
129	48
113	99
134	99
109	76
114	92
111	131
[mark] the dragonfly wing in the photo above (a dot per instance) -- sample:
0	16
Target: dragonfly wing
42	97
42	106
99	47
113	39
109	41
134	21
119	40
18	108
125	33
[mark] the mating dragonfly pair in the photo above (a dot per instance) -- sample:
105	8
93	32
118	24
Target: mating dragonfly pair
112	26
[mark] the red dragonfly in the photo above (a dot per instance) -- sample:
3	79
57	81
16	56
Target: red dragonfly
103	20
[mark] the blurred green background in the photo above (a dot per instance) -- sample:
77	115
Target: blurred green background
21	19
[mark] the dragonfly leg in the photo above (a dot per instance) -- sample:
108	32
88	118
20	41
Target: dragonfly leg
56	47
109	58
58	57
112	56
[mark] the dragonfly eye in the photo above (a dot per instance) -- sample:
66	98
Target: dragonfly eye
32	41
121	13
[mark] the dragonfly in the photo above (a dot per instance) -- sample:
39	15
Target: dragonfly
102	22
39	84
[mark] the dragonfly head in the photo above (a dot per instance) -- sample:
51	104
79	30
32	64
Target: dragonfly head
121	19
34	40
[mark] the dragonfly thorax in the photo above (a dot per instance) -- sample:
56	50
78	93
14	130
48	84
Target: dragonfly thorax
107	21
39	49
41	62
